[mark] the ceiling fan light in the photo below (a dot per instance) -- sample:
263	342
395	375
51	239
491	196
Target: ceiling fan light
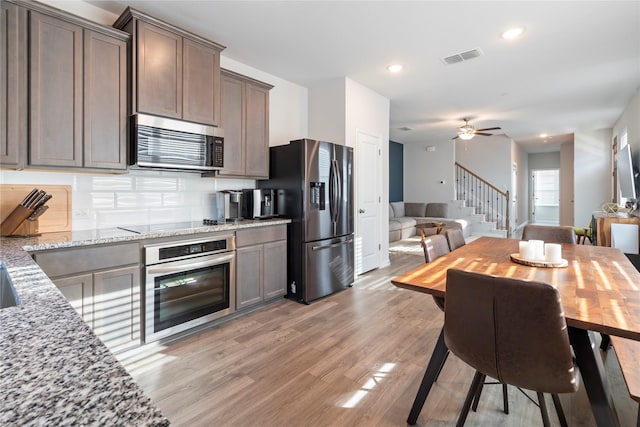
466	136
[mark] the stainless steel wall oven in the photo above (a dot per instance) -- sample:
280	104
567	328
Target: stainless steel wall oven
188	283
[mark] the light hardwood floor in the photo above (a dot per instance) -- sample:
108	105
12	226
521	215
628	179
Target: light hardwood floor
352	359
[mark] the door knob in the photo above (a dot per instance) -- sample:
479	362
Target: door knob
361	211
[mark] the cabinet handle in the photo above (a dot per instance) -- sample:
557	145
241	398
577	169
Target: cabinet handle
361	210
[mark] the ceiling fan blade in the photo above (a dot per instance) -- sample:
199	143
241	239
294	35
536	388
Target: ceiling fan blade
484	134
455	138
480	130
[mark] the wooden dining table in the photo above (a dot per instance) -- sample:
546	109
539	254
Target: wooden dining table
600	292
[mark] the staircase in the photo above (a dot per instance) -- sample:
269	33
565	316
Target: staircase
478	224
484	206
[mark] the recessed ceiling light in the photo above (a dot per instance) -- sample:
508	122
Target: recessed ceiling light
395	68
512	33
543	135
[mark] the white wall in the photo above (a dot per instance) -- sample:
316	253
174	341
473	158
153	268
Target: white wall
140	197
327	111
630	120
549	160
424	170
592	172
85	10
368	111
519	215
488	157
567	198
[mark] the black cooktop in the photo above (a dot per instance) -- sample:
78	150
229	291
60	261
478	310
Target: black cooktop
172	226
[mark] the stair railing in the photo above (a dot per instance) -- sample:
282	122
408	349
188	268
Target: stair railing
486	198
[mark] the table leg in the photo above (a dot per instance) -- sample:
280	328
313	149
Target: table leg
594	377
437	358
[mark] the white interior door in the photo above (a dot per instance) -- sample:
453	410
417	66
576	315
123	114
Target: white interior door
368	194
545	185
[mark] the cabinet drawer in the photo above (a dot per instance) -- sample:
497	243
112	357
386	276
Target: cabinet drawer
259	235
83	259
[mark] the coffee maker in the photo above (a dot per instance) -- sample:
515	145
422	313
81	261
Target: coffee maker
259	203
229	205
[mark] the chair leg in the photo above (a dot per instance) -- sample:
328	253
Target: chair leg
441	366
605	343
476	398
543	410
477	381
505	399
559	411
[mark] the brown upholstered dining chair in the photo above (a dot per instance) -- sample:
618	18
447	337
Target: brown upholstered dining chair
455	238
512	330
549	233
434	247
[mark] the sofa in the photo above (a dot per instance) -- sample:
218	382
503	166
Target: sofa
403	217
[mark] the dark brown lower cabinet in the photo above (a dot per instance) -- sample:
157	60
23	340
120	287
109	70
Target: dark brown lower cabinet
261	265
102	283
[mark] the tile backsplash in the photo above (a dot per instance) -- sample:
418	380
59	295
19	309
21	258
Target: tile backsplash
136	198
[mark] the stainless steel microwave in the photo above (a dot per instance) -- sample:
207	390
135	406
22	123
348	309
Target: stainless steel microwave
158	142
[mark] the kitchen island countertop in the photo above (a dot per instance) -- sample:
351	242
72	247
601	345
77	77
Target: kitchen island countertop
53	369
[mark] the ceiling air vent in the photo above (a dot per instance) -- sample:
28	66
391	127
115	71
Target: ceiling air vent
463	56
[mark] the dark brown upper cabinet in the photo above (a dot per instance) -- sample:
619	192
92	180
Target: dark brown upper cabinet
174	73
55	91
13	86
68	81
245	120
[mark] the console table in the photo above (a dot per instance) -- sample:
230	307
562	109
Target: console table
603	226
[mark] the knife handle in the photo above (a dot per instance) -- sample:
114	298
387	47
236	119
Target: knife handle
36	213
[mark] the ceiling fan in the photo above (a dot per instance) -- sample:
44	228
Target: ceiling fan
467	131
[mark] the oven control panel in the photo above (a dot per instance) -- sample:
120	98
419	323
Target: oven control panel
172	251
192	249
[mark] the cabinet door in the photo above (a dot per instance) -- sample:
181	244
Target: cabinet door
105	101
78	290
201	83
232	123
159	71
116	306
55	92
257	132
249	272
275	269
13	118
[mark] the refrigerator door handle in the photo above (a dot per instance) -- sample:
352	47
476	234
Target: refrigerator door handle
338	188
335	190
333	245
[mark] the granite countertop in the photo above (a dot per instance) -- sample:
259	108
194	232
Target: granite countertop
53	369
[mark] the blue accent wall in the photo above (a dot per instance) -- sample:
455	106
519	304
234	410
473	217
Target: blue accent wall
396	172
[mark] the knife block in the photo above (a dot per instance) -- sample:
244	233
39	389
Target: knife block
28	228
17	224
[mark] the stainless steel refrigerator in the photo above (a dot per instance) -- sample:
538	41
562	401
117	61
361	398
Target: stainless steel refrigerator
315	189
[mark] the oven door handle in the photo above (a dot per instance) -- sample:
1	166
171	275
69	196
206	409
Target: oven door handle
160	269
